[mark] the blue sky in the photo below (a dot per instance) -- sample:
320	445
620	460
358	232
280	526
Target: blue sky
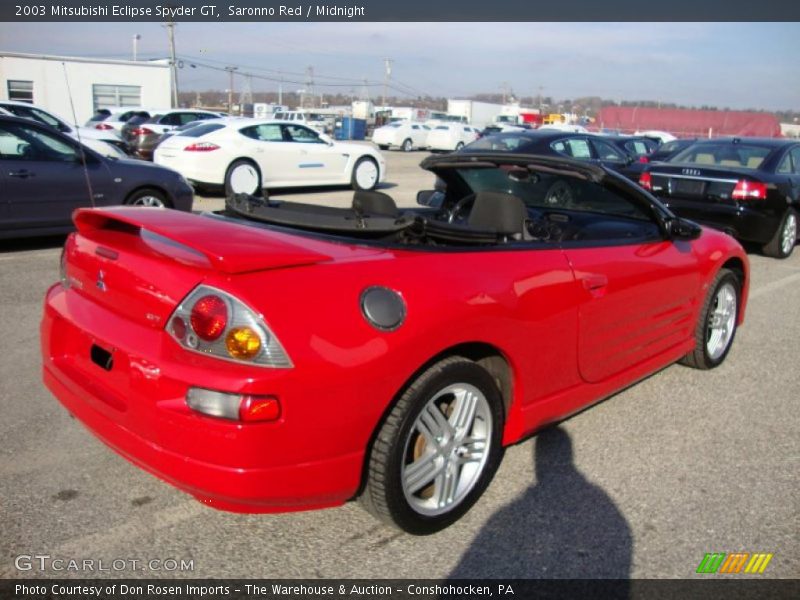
738	65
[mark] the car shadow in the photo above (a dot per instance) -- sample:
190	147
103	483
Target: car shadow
562	527
32	243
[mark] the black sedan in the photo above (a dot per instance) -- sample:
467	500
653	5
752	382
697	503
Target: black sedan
598	149
748	187
47	175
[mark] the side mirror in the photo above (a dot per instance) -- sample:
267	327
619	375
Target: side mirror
326	139
683	229
430	198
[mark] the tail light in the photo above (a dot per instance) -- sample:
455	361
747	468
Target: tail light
646	181
142	131
209	317
749	190
644	159
212	322
103	126
237	407
201	147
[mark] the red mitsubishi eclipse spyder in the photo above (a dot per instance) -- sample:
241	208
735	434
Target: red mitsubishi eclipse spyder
281	356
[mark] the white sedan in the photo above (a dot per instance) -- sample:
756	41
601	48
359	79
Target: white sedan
405	135
453	136
248	155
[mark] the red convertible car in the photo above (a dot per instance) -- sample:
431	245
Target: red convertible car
281	356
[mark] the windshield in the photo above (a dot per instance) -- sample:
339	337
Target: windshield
35	114
723	154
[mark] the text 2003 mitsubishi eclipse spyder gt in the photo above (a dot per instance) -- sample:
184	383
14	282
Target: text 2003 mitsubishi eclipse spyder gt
285	356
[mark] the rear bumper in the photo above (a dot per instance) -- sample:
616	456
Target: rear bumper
138	409
741	221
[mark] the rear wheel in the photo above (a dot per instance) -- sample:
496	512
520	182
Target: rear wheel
438	449
365	174
716	327
242	177
407	145
148	197
782	245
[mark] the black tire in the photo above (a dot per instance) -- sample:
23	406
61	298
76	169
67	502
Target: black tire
398	441
701	357
354	179
776	248
407	145
459	146
148	197
383	146
241	163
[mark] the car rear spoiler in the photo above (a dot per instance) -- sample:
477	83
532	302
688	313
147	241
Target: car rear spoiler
226	246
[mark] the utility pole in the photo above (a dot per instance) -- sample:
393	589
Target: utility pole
504	87
173	62
230	71
309	94
387	63
280	92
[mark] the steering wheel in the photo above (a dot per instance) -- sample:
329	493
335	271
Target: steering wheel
560	195
455	215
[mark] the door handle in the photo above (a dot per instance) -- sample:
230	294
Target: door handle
22	174
595	284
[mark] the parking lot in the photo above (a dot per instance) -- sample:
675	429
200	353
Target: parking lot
641	485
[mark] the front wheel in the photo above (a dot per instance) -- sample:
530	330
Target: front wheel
242	177
716	326
148	197
459	146
365	174
407	145
782	245
438	448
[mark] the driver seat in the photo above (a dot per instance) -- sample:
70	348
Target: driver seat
499	212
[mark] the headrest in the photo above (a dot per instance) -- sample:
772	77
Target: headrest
500	212
374	203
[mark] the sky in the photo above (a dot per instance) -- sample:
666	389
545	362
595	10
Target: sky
736	65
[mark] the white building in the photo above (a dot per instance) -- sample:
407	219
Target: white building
93	83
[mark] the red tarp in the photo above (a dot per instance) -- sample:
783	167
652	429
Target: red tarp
689	123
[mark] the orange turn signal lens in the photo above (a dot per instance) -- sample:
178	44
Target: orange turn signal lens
243	343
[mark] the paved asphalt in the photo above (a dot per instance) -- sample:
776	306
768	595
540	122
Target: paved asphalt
641	485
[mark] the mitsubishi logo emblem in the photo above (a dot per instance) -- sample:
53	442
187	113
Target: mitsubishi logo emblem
101	284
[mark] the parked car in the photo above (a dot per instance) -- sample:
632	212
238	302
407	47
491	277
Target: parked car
451	137
97	140
535	287
638	147
248	155
180	130
144	135
660	137
661	153
747	187
44	180
322	123
404	135
114	118
669	149
587	147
